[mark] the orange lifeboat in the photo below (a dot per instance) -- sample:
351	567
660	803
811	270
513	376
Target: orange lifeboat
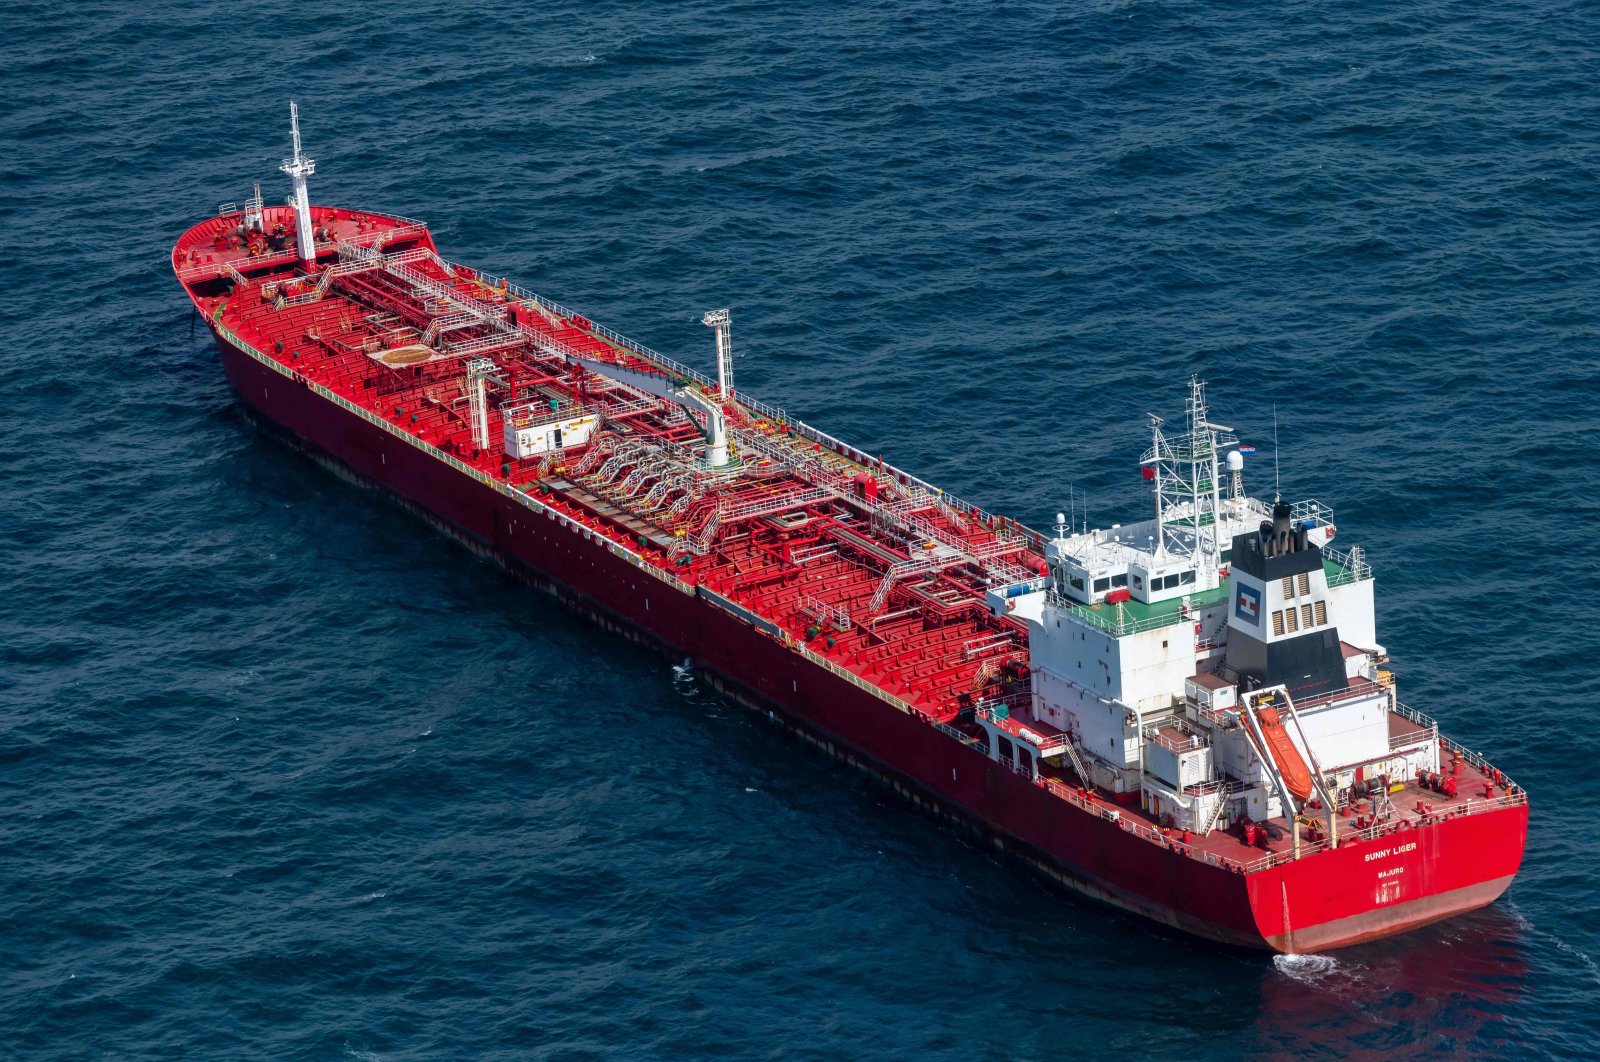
1296	775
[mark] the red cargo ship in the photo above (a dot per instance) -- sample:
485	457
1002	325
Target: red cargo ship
1186	717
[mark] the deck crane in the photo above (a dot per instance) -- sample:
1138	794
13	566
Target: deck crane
715	427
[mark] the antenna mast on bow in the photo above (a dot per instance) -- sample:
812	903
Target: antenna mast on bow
298	169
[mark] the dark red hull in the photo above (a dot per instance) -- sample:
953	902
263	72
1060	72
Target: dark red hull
1357	892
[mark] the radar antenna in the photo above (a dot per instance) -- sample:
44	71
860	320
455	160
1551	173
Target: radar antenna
1185	472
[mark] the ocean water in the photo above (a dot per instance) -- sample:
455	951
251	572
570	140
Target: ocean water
283	773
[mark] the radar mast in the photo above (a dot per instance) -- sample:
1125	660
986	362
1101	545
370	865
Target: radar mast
298	169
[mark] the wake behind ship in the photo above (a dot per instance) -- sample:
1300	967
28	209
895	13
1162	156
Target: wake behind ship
1189	717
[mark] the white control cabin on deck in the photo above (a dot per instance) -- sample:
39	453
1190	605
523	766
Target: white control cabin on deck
1146	639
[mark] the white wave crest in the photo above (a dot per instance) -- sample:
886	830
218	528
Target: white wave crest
1307	969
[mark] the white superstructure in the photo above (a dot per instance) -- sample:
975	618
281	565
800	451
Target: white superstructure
1216	660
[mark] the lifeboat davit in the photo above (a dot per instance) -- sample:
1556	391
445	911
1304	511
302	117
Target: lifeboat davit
1291	765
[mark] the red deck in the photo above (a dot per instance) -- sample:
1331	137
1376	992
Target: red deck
865	578
783	535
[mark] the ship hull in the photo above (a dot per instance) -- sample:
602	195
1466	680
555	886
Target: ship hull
1355	893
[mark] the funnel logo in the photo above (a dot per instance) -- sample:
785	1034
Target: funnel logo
1247	605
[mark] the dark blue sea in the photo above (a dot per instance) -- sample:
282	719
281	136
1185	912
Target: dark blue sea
286	774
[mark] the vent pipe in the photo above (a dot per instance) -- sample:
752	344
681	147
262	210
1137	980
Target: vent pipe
723	323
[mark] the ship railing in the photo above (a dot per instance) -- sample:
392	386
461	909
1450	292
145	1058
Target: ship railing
897	514
1082	800
376	238
1013	703
1420	718
999	573
1310	509
224	209
973	648
875	690
1399	742
775	415
1113	618
1357	690
836	616
516	291
1512	797
769	506
1481	764
357	243
804	555
1427	722
1190	739
1003	525
211	270
966	739
905	569
1113	814
1352	566
1052	744
1228	786
903	514
1350	835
